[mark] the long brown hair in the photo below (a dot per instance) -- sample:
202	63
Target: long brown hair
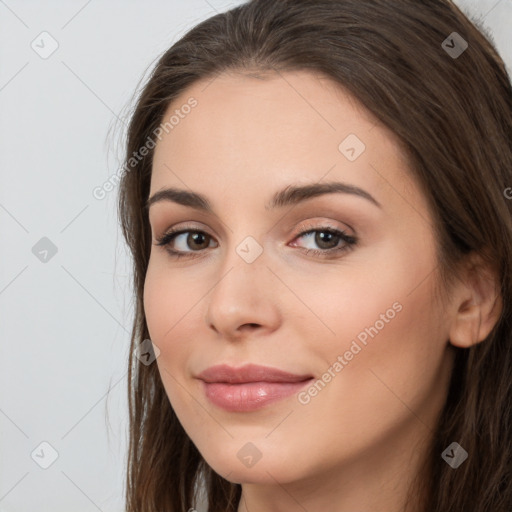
453	115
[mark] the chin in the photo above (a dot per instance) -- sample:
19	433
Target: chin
266	470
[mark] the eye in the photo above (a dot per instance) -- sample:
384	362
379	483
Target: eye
183	238
327	239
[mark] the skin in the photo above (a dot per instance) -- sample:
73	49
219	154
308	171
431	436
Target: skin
359	442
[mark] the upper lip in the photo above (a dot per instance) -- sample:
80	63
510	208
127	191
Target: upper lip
248	373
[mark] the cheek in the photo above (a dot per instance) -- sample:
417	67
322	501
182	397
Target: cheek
380	312
168	306
156	303
390	337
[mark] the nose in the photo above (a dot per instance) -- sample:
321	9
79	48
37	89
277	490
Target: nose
244	300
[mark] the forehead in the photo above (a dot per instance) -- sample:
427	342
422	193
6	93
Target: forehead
257	133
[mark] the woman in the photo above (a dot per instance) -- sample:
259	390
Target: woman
315	201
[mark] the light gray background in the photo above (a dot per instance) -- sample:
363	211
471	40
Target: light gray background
65	323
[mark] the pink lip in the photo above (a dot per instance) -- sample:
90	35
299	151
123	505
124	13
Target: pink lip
249	387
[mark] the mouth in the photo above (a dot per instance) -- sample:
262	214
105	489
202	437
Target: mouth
249	387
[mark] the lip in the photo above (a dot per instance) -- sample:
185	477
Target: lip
249	387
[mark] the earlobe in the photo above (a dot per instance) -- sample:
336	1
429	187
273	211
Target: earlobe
478	308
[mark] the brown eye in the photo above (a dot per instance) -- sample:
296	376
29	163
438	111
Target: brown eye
191	243
184	242
328	241
196	240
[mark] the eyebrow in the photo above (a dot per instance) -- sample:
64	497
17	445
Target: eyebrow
291	195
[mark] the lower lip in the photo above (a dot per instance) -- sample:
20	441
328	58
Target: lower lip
250	396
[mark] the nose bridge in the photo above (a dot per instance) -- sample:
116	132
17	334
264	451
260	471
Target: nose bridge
245	242
241	295
243	270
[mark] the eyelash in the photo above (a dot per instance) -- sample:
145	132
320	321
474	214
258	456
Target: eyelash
350	241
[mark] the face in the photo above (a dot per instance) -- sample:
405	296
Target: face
334	286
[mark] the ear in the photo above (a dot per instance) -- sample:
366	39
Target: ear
477	303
